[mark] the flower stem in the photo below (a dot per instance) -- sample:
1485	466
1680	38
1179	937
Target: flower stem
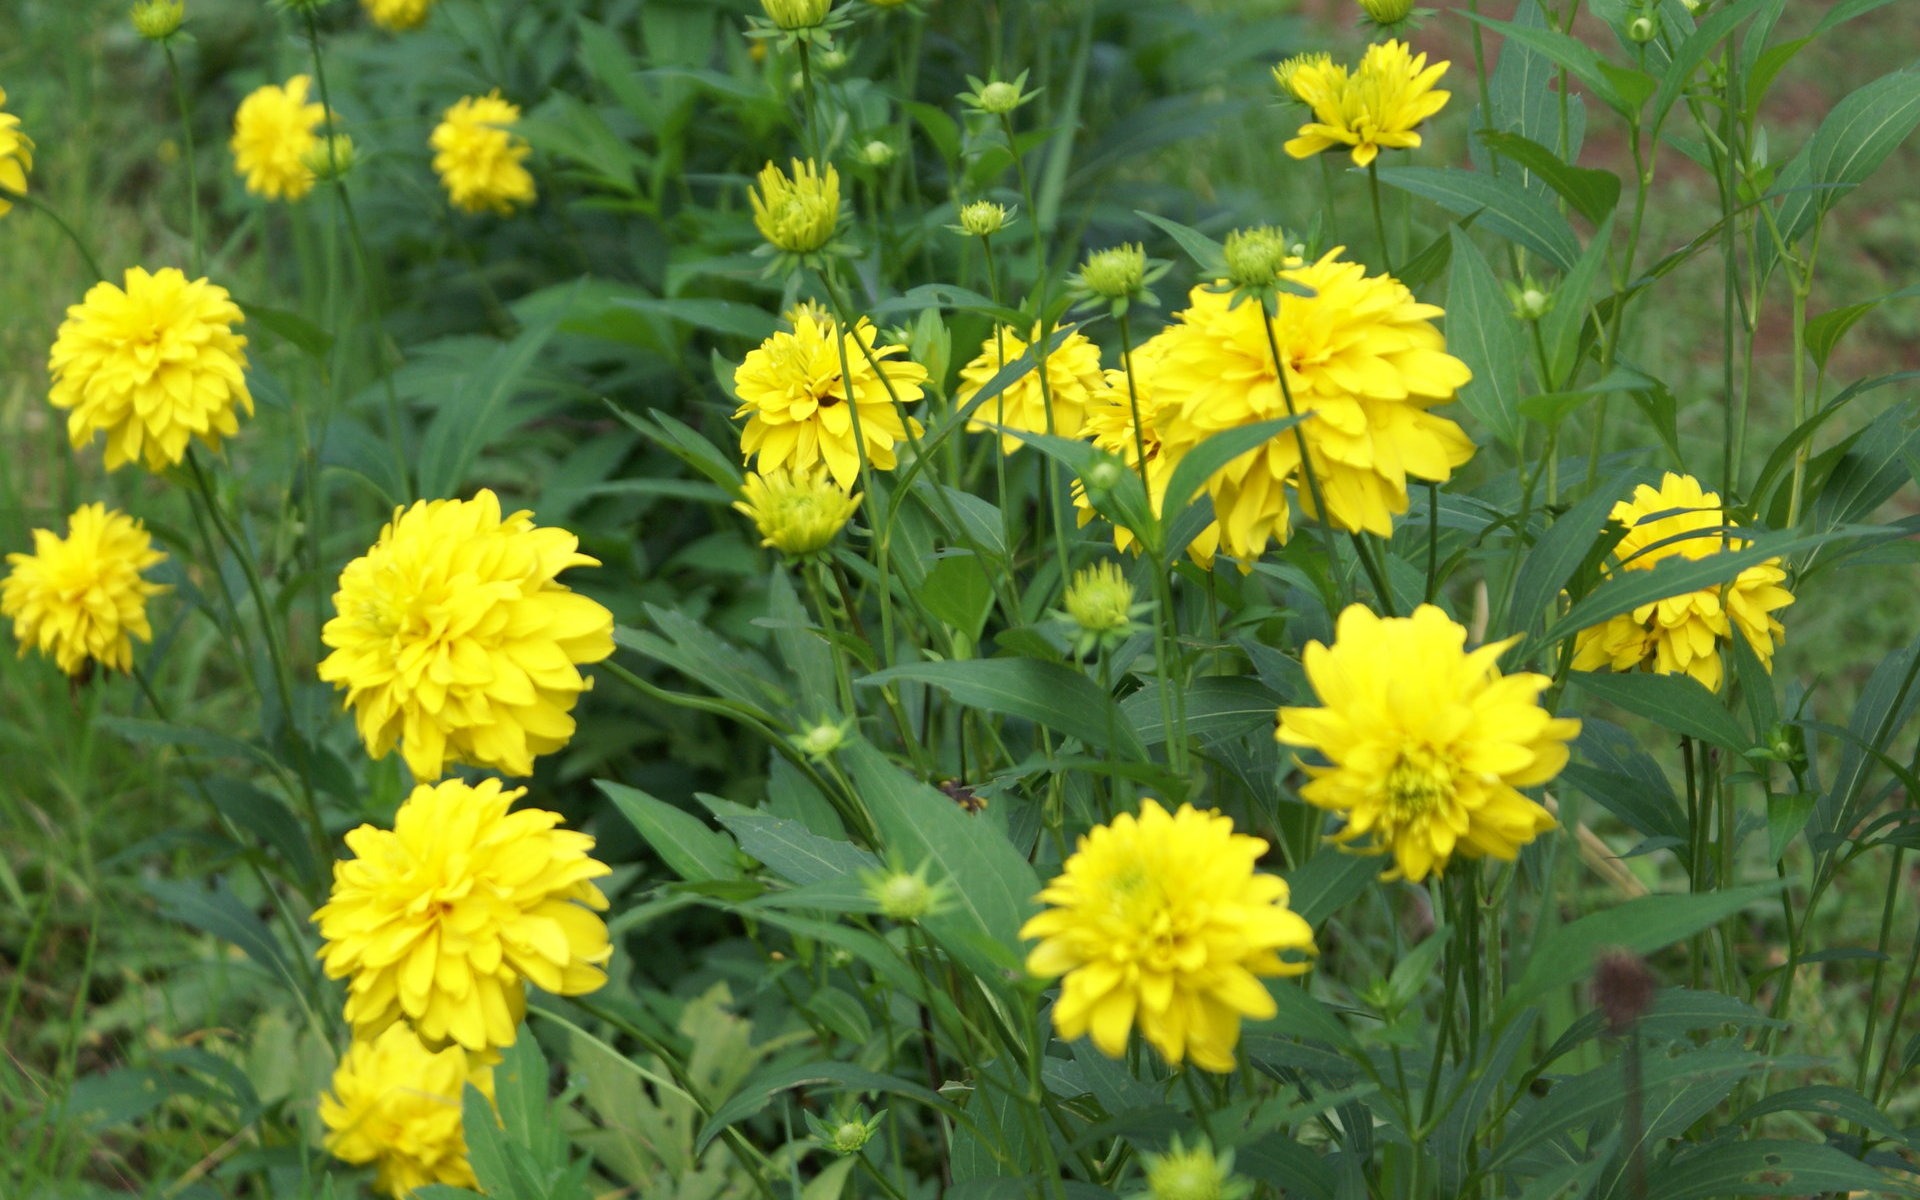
193	169
86	255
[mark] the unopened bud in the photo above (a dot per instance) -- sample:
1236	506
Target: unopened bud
983	218
999	97
329	157
1255	257
1623	988
1387	12
1643	29
158	20
1116	273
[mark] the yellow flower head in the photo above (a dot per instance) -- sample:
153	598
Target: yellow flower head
1684	633
1073	376
397	1105
797	214
455	639
152	366
1426	744
1363	360
80	598
479	158
798	515
398	16
16	156
1160	920
1287	69
443	920
797	404
1377	107
273	130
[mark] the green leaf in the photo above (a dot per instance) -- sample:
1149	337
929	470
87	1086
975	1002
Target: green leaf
1058	697
1331	879
959	593
1593	194
465	424
1580	59
1825	331
1626	780
1763	1168
1219	708
1507	209
729	317
1688	56
1483	333
1561	328
763	1085
292	328
991	885
1855	138
789	848
1567	954
1567	543
693	851
1675	702
219	912
1199	465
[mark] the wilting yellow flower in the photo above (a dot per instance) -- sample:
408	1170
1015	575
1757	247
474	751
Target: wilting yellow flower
798	515
797	214
443	920
796	402
455	639
398	16
1378	107
1073	375
16	156
80	598
273	130
479	158
397	1105
152	366
1363	358
1684	633
1426	744
1161	921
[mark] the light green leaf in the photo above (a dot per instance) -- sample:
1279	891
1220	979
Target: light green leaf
693	851
1483	333
1506	208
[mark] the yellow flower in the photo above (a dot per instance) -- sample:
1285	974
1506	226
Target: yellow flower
1363	359
1684	633
397	1105
1427	744
273	130
80	598
797	214
1073	376
442	921
455	639
1287	69
796	402
798	515
478	157
398	16
1161	921
16	156
1109	425
151	366
1378	107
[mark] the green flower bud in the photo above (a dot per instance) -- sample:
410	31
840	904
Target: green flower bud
1387	12
796	14
1643	29
983	218
329	158
1116	273
1255	257
1196	1174
158	20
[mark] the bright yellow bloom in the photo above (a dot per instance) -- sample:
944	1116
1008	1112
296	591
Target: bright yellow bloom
1427	744
1109	425
796	515
455	639
397	1105
80	598
273	130
398	16
152	366
1363	359
1684	633
796	402
443	920
1073	376
16	156
797	214
479	158
1161	921
1287	69
1378	107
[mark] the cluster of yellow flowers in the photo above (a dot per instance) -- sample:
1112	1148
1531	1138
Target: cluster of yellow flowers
278	148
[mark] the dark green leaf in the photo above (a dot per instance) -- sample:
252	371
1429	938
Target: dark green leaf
1763	1168
1593	194
1675	702
1058	697
693	851
760	1088
1507	209
1483	332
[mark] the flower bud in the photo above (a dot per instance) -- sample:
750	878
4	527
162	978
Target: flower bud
1196	1174
796	14
1387	12
983	218
1105	474
1100	600
848	1137
999	97
1643	29
1287	72
797	214
1623	988
1529	300
821	740
158	20
1116	273
902	896
877	153
1255	257
329	158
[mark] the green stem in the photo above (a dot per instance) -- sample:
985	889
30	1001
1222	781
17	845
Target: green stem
186	133
1379	220
1267	318
93	264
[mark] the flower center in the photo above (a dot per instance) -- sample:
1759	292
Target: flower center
1418	782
